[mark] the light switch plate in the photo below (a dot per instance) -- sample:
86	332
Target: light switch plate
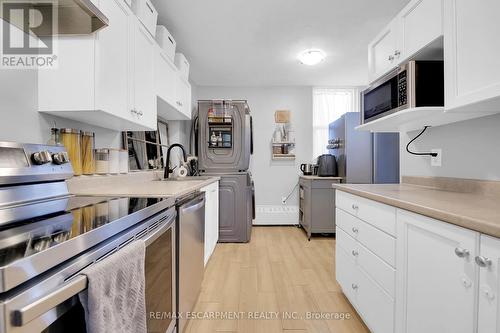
437	161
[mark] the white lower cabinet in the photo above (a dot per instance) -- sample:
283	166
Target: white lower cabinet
364	263
211	218
489	285
436	275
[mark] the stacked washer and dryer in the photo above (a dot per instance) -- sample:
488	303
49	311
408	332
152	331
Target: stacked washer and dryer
225	143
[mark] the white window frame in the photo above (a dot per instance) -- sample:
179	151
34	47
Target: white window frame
322	118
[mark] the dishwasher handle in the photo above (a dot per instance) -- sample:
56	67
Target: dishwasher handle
193	205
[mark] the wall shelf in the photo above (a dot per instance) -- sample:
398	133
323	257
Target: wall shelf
414	119
284	157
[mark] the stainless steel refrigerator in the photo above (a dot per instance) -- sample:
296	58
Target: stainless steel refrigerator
224	145
363	157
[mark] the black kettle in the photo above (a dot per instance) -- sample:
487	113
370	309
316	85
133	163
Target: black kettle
327	166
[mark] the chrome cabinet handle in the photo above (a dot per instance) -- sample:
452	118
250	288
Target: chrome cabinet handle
355	207
140	113
391	58
355	230
397	53
483	261
133	111
355	253
354	286
461	253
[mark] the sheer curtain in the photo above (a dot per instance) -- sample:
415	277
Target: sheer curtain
328	105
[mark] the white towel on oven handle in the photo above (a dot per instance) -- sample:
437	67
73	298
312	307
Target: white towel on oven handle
115	297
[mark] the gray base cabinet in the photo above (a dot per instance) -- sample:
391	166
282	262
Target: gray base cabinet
317	205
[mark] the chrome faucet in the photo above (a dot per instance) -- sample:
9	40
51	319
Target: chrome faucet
168	171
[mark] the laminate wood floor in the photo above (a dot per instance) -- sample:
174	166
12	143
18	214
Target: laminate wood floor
275	283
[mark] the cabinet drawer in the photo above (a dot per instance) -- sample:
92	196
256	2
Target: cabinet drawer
345	272
376	268
375	240
377	214
375	306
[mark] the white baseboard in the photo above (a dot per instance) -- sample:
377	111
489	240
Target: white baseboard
276	215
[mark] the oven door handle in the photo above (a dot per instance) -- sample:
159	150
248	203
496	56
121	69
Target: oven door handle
157	233
46	303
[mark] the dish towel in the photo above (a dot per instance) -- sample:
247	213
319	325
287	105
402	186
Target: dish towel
114	300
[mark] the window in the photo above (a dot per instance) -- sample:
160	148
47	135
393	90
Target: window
328	105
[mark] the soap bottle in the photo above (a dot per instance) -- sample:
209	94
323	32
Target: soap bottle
213	139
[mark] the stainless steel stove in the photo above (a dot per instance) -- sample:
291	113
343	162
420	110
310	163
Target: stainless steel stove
47	236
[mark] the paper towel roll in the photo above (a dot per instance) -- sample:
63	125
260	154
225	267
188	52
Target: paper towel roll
181	172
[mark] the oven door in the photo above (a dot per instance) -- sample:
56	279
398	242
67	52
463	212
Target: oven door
34	310
386	96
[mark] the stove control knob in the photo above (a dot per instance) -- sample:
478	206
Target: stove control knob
41	157
60	158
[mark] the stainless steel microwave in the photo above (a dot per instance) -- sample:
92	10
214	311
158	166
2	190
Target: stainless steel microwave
413	84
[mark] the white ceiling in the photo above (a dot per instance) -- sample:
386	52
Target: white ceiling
256	42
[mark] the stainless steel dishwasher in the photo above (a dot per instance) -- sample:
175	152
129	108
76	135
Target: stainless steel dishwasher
191	244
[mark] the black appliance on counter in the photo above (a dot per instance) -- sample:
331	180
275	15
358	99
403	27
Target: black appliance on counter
327	166
48	236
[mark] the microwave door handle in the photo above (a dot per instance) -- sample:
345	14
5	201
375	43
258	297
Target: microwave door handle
46	303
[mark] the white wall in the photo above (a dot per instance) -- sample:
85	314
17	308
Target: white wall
471	149
273	179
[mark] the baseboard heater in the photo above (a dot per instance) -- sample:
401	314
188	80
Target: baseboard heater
276	215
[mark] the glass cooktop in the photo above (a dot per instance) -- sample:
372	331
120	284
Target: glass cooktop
30	229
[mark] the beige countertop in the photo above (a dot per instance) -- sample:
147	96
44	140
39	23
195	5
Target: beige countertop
138	184
320	178
473	210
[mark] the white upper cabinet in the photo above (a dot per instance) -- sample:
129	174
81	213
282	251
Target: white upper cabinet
436	276
415	27
489	285
381	52
112	64
420	23
142	85
174	93
104	79
183	93
472	61
165	77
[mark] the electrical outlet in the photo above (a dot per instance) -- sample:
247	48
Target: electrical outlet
437	161
283	200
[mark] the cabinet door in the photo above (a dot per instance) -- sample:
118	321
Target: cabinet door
489	286
165	77
143	79
437	284
472	65
420	23
112	67
184	97
381	52
211	218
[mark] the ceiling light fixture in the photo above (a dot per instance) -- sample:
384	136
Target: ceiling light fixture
312	57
